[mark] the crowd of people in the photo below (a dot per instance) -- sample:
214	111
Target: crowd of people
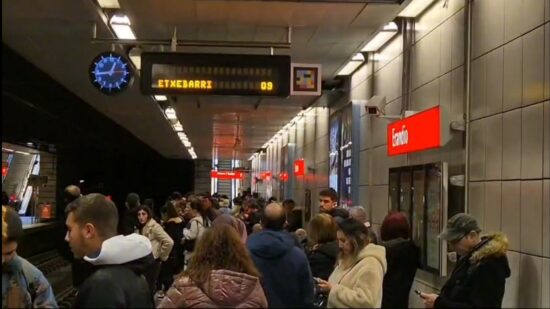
202	250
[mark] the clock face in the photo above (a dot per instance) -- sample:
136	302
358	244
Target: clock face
110	73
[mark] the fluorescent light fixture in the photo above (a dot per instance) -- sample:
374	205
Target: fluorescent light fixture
391	26
81	181
358	57
415	8
178	127
135	56
182	136
108	4
22	152
161	98
379	40
350	67
121	27
186	143
171	113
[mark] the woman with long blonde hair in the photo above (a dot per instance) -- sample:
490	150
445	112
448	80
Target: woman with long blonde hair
220	274
356	282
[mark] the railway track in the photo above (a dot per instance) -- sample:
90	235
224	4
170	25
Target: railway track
58	272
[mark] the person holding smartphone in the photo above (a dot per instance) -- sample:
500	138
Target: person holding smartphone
356	282
479	277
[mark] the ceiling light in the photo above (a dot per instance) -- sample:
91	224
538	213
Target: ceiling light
135	56
161	98
171	113
178	127
108	4
350	67
358	57
391	26
121	26
186	143
381	38
182	136
414	8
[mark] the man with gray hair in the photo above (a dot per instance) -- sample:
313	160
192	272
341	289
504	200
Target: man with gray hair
479	277
360	214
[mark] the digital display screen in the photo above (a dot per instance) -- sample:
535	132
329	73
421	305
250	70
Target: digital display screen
215	74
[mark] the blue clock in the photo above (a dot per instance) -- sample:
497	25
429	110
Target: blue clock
111	73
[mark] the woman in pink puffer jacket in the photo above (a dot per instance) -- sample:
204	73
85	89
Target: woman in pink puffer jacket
220	274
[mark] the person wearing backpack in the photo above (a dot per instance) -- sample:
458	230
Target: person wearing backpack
23	285
196	226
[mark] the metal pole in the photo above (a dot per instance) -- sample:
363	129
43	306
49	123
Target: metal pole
278	45
467	90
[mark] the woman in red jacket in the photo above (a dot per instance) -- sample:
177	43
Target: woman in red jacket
220	274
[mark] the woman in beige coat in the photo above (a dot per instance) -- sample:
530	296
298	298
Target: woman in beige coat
356	282
161	243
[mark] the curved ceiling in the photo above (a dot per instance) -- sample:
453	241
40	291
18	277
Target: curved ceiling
56	35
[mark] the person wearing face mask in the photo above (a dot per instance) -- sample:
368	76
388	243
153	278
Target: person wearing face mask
23	285
328	203
356	282
479	277
160	241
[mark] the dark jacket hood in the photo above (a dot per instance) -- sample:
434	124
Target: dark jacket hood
330	248
270	244
132	251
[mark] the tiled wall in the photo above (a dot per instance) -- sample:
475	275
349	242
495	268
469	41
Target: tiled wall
509	188
510	138
310	138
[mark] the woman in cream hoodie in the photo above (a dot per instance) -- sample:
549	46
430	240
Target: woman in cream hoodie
356	282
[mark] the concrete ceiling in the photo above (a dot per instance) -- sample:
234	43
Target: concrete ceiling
55	35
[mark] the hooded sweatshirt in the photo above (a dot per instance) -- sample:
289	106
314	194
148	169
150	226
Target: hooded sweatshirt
224	288
286	277
118	281
359	285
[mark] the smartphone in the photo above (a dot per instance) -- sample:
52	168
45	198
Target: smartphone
418	293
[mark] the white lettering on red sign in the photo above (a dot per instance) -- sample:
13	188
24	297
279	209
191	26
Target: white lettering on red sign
400	138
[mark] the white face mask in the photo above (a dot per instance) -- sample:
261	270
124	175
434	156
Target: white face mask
452	256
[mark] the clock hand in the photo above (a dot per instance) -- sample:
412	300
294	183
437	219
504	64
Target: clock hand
108	72
112	69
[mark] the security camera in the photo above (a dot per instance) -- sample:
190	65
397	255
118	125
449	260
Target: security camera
374	104
372	110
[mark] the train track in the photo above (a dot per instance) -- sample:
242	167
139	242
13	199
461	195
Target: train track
58	272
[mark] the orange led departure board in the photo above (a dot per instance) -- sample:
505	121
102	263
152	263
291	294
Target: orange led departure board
215	74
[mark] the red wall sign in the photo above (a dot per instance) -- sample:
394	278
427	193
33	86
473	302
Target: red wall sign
420	131
300	167
226	175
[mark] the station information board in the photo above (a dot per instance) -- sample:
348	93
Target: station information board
215	74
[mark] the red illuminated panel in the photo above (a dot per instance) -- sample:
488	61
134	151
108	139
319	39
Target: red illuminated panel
283	176
4	171
421	131
299	167
226	175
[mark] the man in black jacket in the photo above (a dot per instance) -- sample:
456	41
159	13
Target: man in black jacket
328	203
479	277
119	261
